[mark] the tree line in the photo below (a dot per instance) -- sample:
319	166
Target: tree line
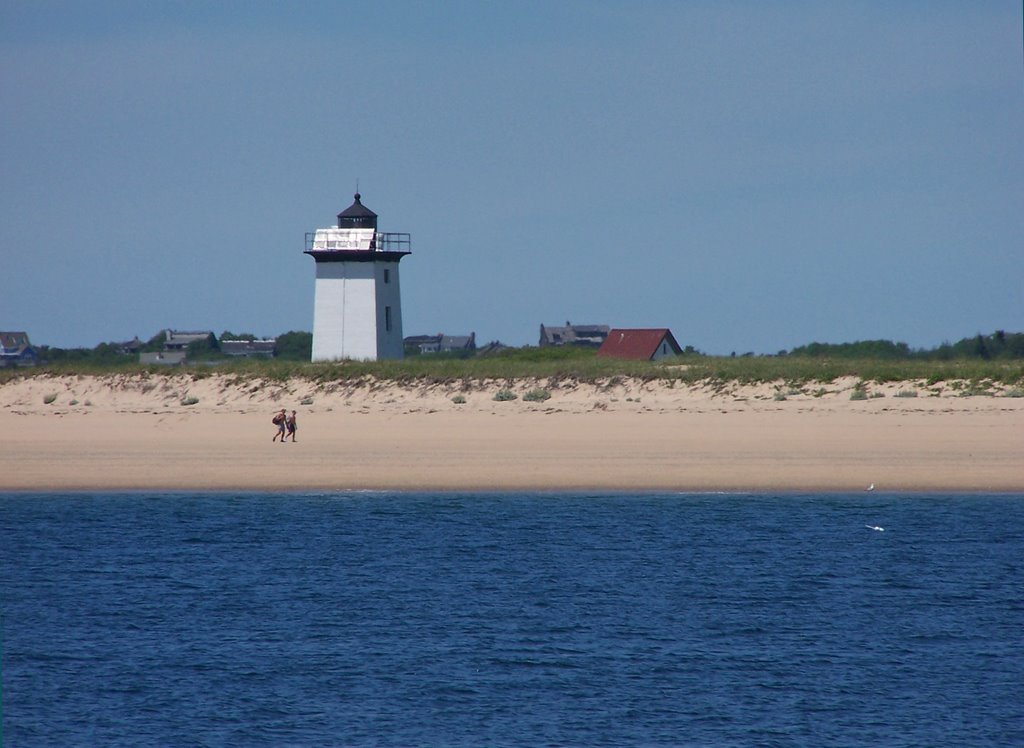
1000	345
289	346
298	345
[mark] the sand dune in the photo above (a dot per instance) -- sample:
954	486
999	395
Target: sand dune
176	432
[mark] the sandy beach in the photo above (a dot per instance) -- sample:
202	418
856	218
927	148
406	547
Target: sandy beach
176	432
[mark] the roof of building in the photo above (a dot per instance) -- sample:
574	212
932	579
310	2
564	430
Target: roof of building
458	342
181	338
15	350
247	347
495	346
442	342
357	210
189	334
639	344
13	339
573	334
417	339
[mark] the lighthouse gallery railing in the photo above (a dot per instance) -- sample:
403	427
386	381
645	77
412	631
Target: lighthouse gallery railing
381	242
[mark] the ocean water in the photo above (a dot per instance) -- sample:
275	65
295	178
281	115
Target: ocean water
514	619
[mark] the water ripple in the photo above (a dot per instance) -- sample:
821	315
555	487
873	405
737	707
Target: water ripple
544	619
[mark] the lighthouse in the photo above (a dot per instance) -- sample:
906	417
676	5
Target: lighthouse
357	311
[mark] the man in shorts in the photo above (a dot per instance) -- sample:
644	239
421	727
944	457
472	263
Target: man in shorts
279	421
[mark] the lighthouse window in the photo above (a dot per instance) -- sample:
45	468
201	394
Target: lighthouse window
387	317
387	275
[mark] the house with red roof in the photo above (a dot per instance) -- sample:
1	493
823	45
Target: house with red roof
15	350
647	344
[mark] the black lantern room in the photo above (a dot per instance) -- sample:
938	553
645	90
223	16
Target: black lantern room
357	216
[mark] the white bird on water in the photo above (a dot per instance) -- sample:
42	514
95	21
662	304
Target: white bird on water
875	527
871	487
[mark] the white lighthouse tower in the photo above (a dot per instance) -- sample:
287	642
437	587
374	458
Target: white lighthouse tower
357	312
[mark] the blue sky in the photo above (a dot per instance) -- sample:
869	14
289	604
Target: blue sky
755	176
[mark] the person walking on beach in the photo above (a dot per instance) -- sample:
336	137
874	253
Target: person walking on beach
279	421
292	425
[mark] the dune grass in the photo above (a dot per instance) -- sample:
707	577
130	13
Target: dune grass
556	365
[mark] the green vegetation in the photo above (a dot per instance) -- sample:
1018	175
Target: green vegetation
49	399
294	346
207	349
876	349
998	345
537	395
803	370
504	395
566	365
189	400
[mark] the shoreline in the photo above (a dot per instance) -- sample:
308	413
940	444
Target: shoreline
135	434
598	492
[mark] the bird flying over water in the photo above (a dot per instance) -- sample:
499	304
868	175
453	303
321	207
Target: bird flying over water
875	527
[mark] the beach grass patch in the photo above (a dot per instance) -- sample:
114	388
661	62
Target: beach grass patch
976	389
860	392
537	395
459	400
504	395
906	393
50	399
189	400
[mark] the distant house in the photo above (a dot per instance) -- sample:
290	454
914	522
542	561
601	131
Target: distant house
178	340
129	347
248	348
648	344
441	343
15	350
162	358
458	343
425	343
590	336
492	348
